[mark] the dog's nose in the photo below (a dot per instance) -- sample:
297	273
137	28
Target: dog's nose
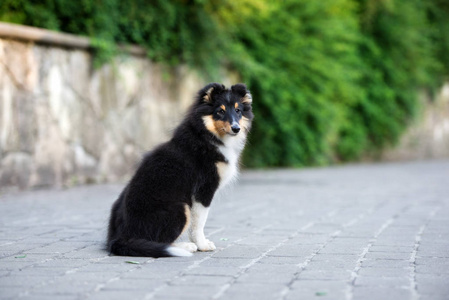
235	128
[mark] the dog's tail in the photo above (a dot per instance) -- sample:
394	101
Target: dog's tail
142	247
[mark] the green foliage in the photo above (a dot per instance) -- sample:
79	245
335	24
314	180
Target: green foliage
172	31
303	70
332	80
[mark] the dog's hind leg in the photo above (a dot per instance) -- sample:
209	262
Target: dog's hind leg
191	247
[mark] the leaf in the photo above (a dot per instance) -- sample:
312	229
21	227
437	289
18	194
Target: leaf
21	256
320	294
132	262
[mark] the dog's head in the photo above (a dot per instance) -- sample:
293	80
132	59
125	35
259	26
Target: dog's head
225	112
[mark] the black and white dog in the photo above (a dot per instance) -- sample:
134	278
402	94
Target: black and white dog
173	187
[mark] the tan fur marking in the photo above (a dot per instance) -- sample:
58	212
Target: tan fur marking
210	125
207	97
217	128
221	168
247	98
223	107
222	127
187	213
236	105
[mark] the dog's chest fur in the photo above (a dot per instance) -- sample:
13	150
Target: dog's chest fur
231	150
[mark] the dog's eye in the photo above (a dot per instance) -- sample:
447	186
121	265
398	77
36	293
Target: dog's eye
221	112
237	110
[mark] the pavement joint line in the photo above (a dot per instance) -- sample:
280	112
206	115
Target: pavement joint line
71	271
245	267
332	236
304	264
195	264
102	285
349	293
413	286
223	290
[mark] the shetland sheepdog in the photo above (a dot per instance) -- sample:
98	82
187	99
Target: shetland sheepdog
172	189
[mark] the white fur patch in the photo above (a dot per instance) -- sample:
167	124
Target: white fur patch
198	219
191	247
231	150
175	251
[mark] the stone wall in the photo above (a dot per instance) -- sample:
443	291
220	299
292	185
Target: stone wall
428	135
64	123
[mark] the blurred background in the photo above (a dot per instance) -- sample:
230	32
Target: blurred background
333	81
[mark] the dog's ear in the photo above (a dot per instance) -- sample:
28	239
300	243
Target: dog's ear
206	93
241	90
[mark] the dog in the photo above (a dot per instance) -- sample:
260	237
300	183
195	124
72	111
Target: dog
172	189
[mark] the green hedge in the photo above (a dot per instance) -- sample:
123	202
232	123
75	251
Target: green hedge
332	80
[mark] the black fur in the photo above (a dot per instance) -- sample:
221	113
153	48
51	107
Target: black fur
150	212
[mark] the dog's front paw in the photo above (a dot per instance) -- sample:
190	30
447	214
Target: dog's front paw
206	245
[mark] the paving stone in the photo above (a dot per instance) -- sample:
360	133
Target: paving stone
383	282
376	293
339	274
202	280
132	284
116	295
201	292
384	272
221	271
283	260
385	263
254	291
315	294
388	255
240	251
294	250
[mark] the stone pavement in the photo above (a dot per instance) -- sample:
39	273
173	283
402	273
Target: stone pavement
352	232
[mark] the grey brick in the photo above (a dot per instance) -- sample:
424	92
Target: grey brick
385	263
226	271
315	294
132	284
240	251
23	281
319	285
202	292
49	297
254	291
282	260
116	295
383	282
202	280
339	274
388	255
294	250
64	288
10	292
384	272
225	262
376	293
308	239
391	249
432	269
266	278
434	250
